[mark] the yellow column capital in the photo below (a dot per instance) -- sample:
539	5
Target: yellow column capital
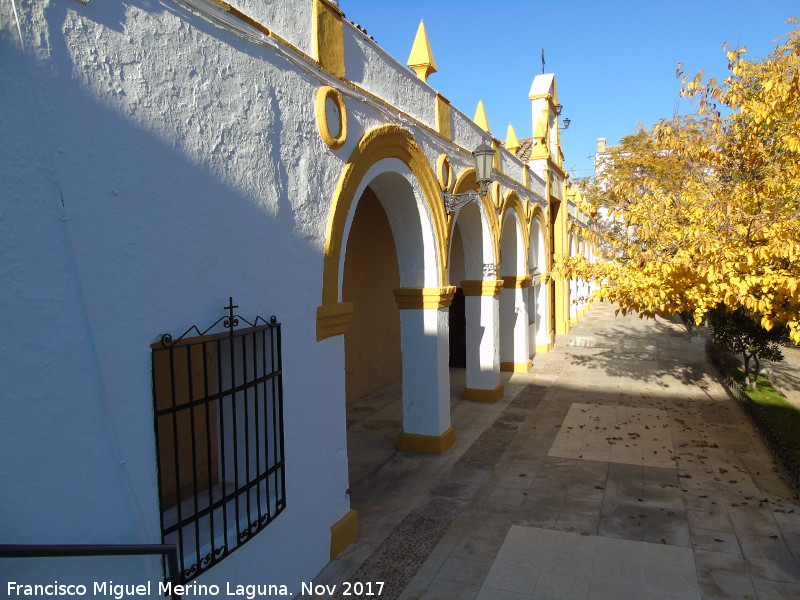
482	287
512	281
333	319
415	298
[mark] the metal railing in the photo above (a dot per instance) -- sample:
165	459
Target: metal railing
218	401
169	551
772	440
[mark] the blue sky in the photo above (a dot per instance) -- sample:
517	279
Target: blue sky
614	60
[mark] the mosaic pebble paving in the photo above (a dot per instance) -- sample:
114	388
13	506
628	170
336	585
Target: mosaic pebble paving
399	557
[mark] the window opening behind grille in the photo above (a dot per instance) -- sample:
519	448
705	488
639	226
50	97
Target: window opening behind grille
218	400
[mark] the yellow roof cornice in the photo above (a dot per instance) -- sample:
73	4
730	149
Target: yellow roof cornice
421	59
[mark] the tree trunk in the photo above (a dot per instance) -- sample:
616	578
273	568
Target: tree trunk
756	371
746	358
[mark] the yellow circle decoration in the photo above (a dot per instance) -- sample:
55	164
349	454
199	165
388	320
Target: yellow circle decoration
444	172
330	98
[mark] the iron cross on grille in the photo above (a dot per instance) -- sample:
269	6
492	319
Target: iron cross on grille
231	320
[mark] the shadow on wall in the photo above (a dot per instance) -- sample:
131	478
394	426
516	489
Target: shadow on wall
157	241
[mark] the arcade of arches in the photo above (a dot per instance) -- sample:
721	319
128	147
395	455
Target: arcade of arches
415	291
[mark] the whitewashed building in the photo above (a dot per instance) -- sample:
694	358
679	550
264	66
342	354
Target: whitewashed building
171	165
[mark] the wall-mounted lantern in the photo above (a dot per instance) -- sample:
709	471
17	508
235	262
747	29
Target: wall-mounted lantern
484	156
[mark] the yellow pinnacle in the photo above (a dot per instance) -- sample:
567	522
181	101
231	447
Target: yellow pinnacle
421	58
512	143
480	118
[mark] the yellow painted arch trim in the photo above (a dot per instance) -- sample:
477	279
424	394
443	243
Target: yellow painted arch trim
386	141
537	212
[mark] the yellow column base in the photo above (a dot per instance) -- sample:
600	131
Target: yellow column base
426	444
516	367
573	319
543	348
483	395
344	532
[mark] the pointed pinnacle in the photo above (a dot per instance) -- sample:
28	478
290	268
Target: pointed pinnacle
421	58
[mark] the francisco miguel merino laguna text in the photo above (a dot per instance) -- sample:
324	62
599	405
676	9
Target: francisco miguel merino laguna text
126	590
118	591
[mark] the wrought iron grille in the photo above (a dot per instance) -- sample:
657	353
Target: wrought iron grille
219	437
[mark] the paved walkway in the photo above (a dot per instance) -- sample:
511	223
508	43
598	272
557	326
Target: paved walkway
786	374
617	468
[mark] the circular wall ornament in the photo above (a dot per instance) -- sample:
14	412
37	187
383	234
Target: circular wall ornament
331	117
444	172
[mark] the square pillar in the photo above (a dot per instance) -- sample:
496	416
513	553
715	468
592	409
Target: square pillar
424	342
543	342
483	337
514	352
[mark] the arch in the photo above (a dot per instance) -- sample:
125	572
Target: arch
512	244
474	234
385	142
466	182
538	248
471	248
512	202
389	170
514	326
472	224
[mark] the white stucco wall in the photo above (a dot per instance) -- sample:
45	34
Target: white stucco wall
465	132
377	72
538	187
287	18
155	165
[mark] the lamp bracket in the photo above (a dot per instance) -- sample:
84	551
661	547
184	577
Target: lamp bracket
455	202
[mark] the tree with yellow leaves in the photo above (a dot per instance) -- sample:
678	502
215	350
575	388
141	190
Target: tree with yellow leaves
704	209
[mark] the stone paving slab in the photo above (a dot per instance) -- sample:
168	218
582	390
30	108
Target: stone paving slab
529	504
543	563
621	434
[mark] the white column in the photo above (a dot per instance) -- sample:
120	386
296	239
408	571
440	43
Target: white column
573	297
532	324
483	360
424	343
514	351
542	329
